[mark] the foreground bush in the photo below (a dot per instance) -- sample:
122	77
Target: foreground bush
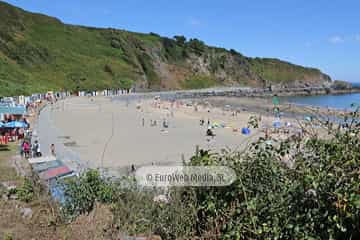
81	193
303	189
293	190
25	192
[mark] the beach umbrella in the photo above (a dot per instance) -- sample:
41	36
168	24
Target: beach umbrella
15	124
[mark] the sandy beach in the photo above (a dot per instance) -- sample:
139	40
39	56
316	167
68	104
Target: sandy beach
117	134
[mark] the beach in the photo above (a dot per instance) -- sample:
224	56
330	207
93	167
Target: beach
95	132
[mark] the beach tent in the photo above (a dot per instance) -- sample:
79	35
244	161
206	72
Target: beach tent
308	118
277	124
15	124
245	131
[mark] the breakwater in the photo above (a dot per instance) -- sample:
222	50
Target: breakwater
236	92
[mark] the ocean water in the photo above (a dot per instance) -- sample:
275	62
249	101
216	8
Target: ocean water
342	101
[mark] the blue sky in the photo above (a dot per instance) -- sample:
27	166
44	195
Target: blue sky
320	33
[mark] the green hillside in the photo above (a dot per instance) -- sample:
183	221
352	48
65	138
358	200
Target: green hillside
38	53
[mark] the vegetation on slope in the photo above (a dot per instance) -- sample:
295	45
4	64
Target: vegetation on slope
38	53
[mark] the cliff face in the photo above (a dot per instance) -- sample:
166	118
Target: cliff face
38	53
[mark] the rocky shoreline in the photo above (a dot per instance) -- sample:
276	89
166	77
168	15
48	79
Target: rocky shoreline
244	92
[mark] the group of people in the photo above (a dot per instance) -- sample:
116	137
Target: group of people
153	123
202	122
209	131
33	150
30	150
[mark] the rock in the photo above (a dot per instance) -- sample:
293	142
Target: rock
8	190
115	43
9	186
339	85
152	237
311	193
12	197
161	199
26	213
5	197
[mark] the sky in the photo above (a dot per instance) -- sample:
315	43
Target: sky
324	34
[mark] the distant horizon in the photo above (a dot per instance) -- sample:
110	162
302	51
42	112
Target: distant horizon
265	30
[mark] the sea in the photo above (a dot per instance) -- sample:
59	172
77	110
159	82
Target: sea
339	101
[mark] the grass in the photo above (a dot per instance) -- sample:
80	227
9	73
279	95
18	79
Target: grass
199	81
7	171
278	71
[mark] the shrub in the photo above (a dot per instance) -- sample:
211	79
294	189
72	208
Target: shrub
180	40
126	83
317	198
197	45
25	193
313	193
198	81
8	236
136	212
82	193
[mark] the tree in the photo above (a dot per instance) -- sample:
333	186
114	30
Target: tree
125	83
233	52
197	45
180	40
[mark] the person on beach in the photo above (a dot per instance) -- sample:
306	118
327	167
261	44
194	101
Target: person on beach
26	149
21	147
33	149
143	122
36	149
153	123
52	149
165	124
209	132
